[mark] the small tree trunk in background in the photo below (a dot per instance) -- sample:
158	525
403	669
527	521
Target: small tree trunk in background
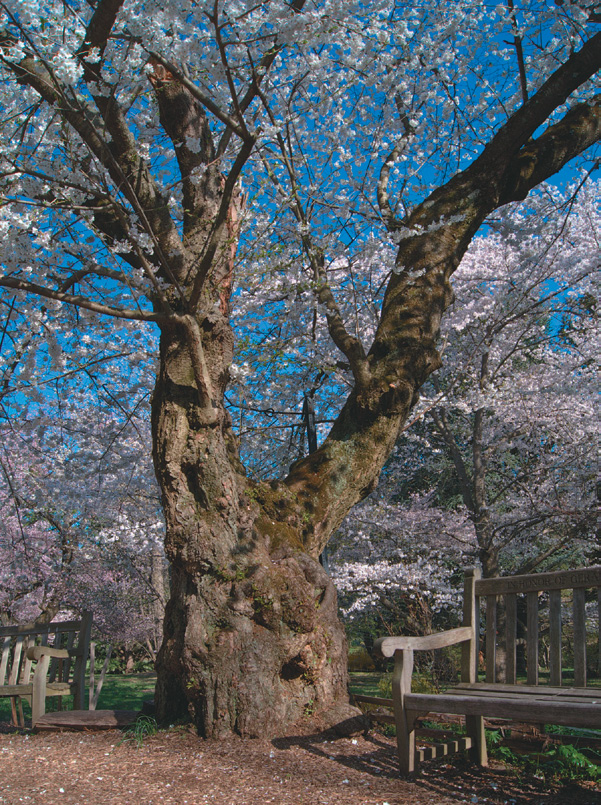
129	660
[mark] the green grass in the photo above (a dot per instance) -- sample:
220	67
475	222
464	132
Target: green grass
365	683
126	692
118	693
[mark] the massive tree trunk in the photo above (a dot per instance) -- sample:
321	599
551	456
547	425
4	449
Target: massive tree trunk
252	641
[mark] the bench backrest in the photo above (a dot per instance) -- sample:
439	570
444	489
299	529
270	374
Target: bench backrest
528	610
17	669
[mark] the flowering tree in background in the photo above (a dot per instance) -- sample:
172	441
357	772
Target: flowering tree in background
75	537
501	468
81	510
517	413
128	128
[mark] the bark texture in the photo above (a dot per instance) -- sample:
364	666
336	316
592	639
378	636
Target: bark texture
252	641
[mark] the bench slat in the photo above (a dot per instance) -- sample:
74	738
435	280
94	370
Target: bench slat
579	638
599	629
53	667
555	637
26	669
517	696
533	690
13	677
372	700
545	711
29	629
68	663
4	661
385	718
510	637
559	580
16	690
532	638
491	637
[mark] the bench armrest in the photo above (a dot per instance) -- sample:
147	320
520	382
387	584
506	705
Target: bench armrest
37	652
386	646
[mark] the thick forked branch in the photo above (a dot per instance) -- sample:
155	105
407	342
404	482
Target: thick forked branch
543	157
215	241
184	121
100	26
433	239
120	157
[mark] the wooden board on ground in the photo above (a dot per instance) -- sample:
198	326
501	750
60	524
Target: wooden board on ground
87	720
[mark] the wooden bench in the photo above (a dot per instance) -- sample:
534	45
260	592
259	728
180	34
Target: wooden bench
530	604
44	660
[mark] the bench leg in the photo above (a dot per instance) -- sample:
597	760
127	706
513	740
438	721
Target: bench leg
404	720
13	710
405	740
475	729
38	699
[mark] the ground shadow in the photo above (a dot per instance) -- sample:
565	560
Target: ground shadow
456	778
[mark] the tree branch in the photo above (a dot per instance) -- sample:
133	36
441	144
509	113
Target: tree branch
543	157
258	74
522	124
349	345
517	42
440	421
120	157
81	301
200	368
100	26
226	119
215	240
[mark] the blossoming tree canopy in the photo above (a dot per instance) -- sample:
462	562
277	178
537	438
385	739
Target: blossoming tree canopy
498	461
140	137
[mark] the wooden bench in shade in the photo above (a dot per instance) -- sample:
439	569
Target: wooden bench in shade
538	606
44	660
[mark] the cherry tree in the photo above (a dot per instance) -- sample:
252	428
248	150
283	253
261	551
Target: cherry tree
74	536
499	465
144	142
517	412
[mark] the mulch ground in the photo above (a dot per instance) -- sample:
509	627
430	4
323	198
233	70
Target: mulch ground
176	767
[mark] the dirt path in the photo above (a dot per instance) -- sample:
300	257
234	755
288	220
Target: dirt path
177	768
